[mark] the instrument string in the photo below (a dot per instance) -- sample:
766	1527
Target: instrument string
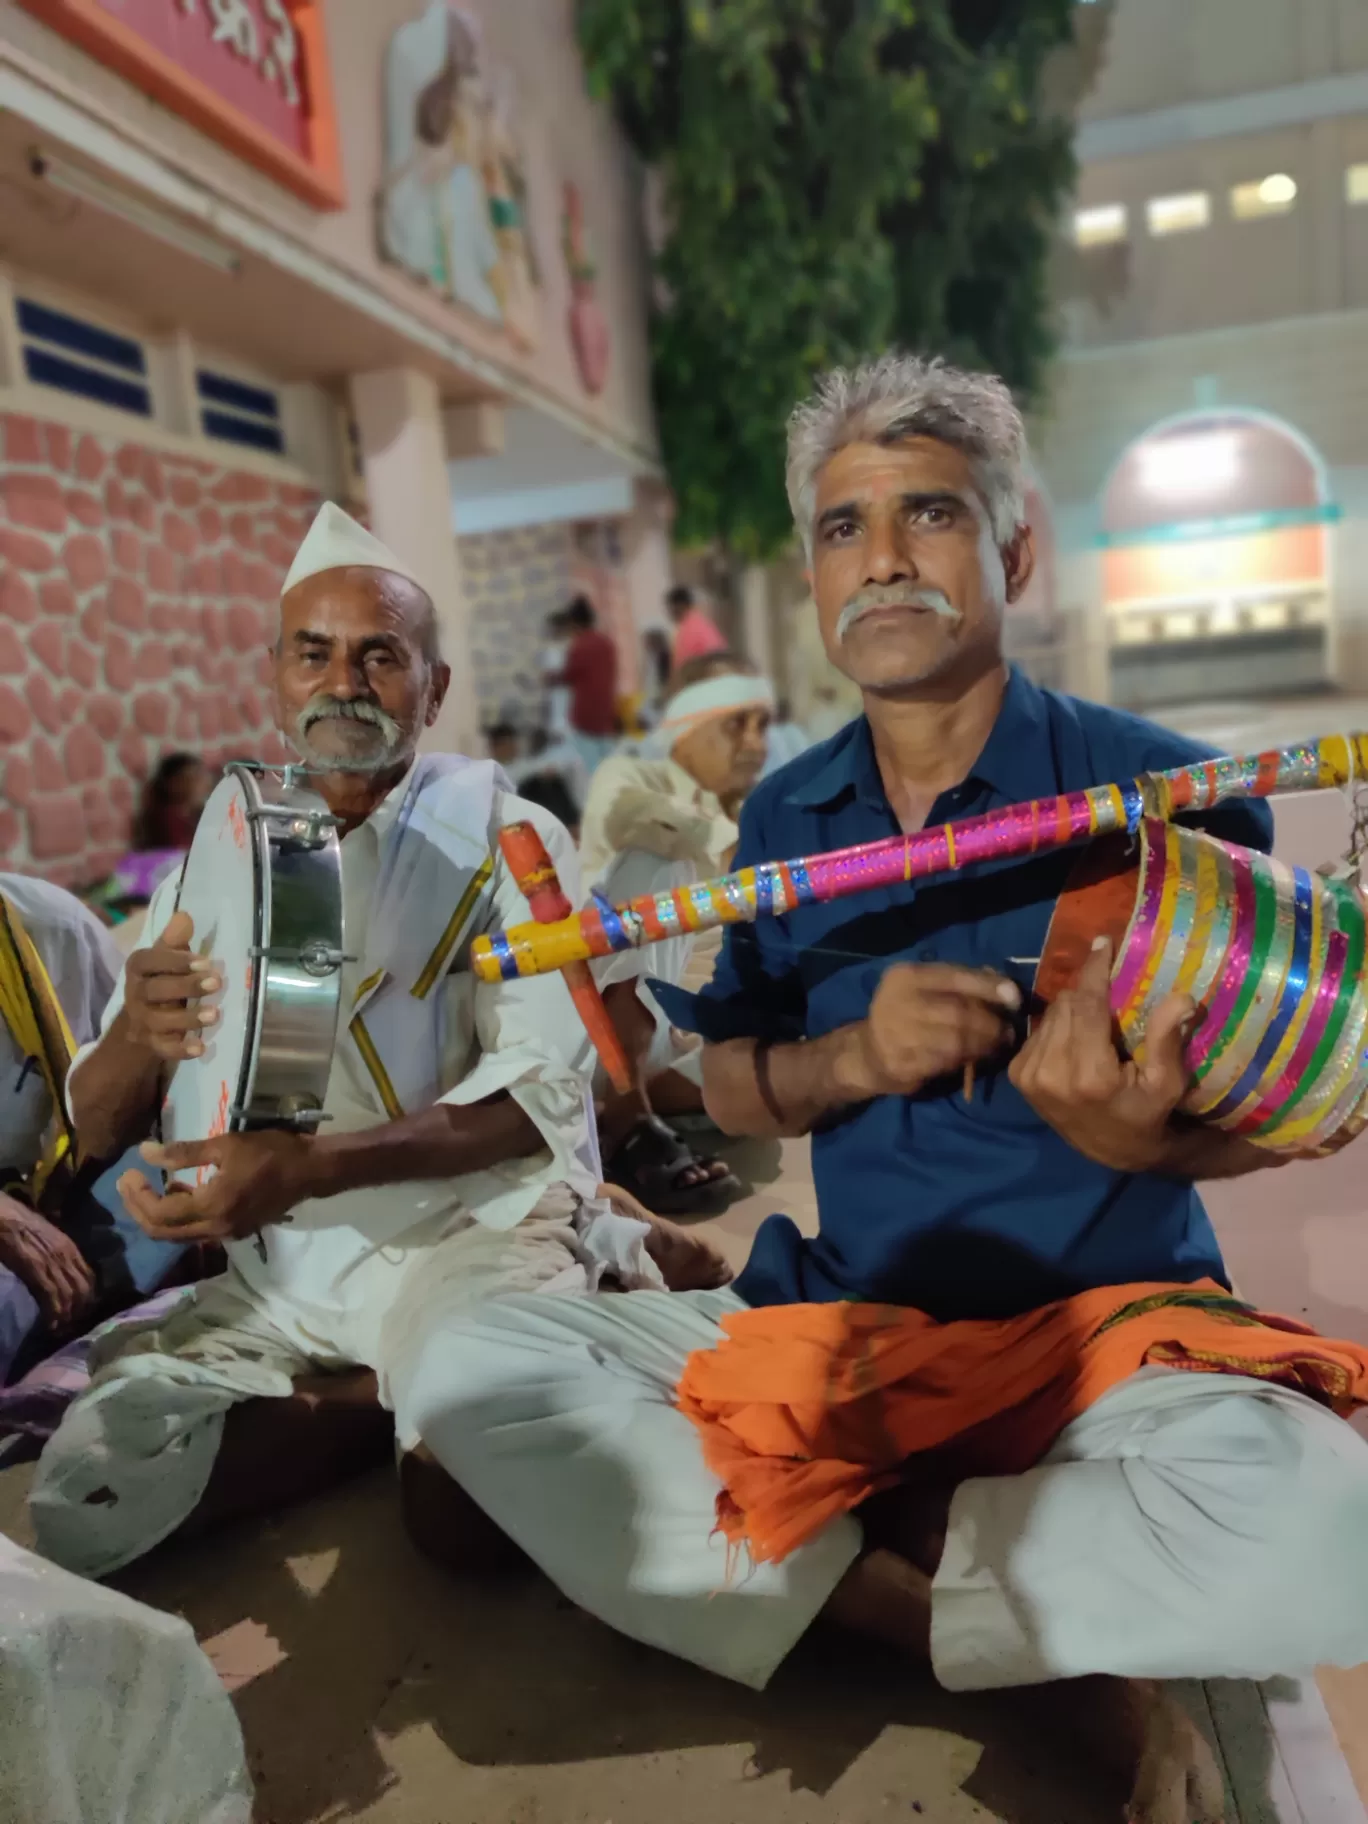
869	956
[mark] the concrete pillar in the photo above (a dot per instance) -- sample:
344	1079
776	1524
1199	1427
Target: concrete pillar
647	561
1086	667
403	453
1324	225
1348	552
755	618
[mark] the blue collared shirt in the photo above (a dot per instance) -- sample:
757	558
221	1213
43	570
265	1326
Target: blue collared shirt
962	1208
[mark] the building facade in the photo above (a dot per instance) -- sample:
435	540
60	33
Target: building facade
1204	455
253	256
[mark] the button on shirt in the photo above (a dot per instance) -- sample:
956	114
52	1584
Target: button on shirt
963	1208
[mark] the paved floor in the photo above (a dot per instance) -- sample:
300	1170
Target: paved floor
372	1687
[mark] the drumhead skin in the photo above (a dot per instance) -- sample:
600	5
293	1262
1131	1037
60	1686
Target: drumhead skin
263	887
221	889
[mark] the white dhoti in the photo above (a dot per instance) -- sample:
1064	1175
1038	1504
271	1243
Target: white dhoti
1187	1526
132	1457
628	876
111	1714
356	1278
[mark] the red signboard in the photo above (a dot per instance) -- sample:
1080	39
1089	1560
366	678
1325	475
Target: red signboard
253	74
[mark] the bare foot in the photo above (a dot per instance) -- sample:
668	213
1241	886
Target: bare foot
1135	1731
1179	1778
688	1260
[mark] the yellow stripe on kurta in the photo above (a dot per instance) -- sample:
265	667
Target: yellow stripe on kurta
366	986
370	1057
435	967
29	1008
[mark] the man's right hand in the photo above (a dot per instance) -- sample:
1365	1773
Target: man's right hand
163	986
926	1020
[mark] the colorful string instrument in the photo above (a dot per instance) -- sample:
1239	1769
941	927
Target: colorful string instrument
1274	956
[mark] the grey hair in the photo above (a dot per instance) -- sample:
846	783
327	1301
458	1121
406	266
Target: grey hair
901	396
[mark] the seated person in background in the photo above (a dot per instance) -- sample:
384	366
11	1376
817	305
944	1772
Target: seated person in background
458	1151
658	819
163	827
69	1254
172	802
656	664
1118	1474
550	774
786	741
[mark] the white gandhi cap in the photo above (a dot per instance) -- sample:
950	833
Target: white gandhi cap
335	541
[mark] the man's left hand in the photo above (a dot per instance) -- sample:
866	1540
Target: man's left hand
1112	1109
258	1178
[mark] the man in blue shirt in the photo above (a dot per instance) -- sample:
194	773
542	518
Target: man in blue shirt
964	1206
1184	1526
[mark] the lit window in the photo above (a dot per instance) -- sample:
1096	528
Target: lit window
1201	462
1100	226
1178	214
1273	195
1356	184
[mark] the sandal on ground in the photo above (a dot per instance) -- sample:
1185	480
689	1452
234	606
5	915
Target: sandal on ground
694	1125
652	1162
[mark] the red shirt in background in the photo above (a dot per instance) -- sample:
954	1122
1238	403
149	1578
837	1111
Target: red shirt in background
591	667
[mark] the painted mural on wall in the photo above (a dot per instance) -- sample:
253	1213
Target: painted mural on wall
589	335
453	207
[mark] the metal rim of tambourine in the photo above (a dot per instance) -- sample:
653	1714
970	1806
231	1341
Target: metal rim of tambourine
296	955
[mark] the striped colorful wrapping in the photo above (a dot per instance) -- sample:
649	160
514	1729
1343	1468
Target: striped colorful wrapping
1019	829
1274	958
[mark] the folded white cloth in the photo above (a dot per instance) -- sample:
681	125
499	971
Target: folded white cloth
109	1711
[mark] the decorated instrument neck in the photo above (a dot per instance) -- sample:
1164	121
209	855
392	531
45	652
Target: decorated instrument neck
1015	831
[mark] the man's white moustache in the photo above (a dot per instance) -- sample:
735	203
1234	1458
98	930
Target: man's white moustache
868	603
342	709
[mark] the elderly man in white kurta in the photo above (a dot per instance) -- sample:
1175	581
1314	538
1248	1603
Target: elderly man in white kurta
458	1156
656	820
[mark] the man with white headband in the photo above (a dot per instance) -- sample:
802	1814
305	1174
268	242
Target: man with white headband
458	1150
658	819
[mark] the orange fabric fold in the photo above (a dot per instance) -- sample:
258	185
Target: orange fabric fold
806	1410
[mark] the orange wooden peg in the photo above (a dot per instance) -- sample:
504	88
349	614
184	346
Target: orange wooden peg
535	872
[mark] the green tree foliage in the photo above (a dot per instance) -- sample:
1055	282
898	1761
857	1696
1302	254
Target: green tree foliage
835	176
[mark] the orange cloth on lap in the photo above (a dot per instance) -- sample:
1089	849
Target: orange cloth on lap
806	1410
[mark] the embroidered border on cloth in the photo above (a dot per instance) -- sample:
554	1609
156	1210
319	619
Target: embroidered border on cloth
370	1057
436	965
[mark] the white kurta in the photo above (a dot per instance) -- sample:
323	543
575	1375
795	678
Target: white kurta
649	827
653	805
358	1278
82	962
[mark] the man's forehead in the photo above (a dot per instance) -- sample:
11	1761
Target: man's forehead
873	471
354	599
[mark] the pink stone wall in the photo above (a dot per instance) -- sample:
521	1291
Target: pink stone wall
136	595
